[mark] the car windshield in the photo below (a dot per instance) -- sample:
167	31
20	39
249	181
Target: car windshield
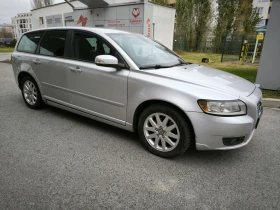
147	53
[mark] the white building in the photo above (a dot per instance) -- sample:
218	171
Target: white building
41	18
21	24
263	7
138	16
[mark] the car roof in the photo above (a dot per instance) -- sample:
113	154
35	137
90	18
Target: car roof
90	29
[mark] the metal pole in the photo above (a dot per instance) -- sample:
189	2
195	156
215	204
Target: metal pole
223	50
255	50
242	49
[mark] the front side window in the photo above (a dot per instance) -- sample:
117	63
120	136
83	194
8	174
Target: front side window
29	42
87	47
53	43
146	52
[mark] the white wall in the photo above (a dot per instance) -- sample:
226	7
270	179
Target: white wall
58	9
163	19
119	17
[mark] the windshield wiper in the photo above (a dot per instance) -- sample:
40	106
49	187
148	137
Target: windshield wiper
161	66
154	67
180	64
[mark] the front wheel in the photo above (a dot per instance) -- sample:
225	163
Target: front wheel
164	131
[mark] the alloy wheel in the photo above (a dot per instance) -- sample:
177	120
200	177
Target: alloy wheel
30	92
161	132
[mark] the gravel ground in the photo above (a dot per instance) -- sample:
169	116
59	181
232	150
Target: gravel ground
53	159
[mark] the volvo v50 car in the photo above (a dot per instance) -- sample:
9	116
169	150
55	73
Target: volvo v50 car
137	84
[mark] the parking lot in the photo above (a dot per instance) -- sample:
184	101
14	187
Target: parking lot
53	159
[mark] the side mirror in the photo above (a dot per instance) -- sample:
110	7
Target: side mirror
108	61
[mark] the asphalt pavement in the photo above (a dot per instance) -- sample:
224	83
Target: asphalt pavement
5	56
53	159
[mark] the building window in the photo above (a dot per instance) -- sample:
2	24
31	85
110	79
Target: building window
49	21
258	10
261	23
41	21
57	20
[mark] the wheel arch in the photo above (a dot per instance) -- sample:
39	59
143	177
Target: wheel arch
148	103
23	74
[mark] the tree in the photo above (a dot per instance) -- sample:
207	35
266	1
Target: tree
193	18
162	2
247	17
202	11
41	3
234	16
36	4
13	43
48	2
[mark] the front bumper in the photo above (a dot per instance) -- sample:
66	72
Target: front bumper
210	130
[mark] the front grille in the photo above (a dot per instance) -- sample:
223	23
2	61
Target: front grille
233	141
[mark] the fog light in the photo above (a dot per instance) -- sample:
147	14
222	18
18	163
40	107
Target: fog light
233	141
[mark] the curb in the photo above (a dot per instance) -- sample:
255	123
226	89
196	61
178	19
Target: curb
271	102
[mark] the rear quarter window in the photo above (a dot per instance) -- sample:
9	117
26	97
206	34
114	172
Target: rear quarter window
29	42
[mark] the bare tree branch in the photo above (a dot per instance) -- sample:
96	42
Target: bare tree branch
41	3
36	4
48	2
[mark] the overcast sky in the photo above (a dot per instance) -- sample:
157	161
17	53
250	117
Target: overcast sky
10	8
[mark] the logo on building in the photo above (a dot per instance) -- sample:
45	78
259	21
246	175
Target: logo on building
148	22
135	12
82	20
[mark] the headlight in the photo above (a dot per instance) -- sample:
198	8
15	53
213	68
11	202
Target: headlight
223	108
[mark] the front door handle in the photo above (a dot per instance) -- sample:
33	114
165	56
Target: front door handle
75	69
36	61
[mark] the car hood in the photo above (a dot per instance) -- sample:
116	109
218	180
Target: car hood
208	77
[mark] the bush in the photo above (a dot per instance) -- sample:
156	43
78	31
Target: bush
13	43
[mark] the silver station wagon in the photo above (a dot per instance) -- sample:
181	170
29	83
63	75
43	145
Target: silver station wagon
135	83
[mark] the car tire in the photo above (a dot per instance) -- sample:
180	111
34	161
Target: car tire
31	93
165	131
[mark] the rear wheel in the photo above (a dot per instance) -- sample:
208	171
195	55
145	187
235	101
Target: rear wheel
164	131
31	93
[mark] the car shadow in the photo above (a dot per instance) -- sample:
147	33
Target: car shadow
103	127
192	155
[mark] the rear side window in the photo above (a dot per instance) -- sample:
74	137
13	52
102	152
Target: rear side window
53	43
29	42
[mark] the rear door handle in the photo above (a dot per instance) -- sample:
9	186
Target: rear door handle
36	61
75	69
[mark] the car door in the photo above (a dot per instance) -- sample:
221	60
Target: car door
49	65
100	91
